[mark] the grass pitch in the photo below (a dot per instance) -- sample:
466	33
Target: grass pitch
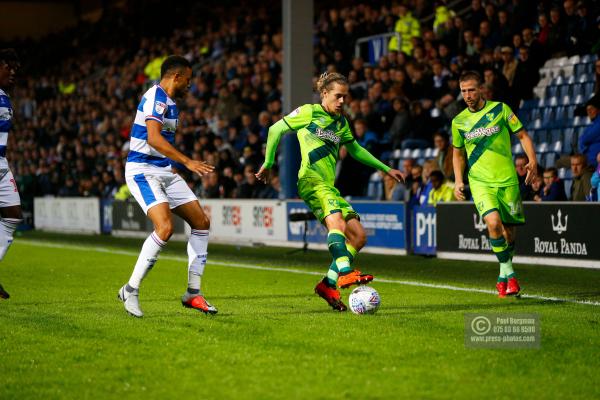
63	334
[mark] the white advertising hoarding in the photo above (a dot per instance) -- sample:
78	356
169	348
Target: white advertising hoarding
67	214
246	220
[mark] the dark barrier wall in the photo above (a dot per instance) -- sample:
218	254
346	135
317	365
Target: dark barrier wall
564	231
127	216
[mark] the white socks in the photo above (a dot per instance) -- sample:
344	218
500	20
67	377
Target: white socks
197	252
148	256
7	228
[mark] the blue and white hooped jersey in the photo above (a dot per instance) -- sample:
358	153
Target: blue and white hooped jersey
6	113
155	105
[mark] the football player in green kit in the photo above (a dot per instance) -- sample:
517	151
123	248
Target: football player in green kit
483	129
322	129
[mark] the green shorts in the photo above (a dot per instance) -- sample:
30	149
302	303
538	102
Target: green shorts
323	199
506	200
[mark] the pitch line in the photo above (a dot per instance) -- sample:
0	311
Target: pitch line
297	271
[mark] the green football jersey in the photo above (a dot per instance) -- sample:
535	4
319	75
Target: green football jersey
485	134
320	135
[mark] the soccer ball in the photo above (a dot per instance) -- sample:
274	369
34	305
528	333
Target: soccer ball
364	300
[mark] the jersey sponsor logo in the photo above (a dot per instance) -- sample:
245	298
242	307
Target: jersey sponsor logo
482	132
160	107
327	135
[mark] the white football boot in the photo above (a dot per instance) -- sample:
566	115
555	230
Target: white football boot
131	301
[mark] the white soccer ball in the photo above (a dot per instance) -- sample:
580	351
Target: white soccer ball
364	300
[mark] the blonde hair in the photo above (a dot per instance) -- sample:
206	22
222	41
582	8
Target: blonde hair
327	79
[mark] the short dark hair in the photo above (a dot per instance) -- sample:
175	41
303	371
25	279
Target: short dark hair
522	156
470	76
9	56
173	63
437	174
553	170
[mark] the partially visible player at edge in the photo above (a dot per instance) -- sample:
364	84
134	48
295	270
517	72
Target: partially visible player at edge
158	190
10	202
322	129
483	129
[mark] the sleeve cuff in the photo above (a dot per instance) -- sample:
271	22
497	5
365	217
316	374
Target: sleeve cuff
152	117
518	130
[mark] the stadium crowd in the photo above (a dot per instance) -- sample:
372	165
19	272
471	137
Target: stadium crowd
74	104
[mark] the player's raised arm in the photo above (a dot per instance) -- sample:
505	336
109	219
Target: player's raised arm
276	131
297	119
529	149
158	142
364	156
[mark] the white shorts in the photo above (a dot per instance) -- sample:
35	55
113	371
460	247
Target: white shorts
150	189
9	194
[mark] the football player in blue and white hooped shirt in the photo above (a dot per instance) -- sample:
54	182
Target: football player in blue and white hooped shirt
10	202
159	191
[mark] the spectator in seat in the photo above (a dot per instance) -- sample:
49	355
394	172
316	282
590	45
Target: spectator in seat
509	68
365	137
400	123
554	188
521	161
526	77
582	177
428	167
416	179
589	142
596	182
535	190
69	189
444	157
441	190
250	187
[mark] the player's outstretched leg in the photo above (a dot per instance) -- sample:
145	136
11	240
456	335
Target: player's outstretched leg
197	252
356	239
129	293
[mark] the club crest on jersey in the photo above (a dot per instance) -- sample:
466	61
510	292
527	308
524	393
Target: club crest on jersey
490	116
160	107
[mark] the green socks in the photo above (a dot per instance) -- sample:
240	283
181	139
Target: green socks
342	256
504	252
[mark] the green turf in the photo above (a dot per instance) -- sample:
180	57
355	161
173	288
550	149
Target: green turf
63	334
